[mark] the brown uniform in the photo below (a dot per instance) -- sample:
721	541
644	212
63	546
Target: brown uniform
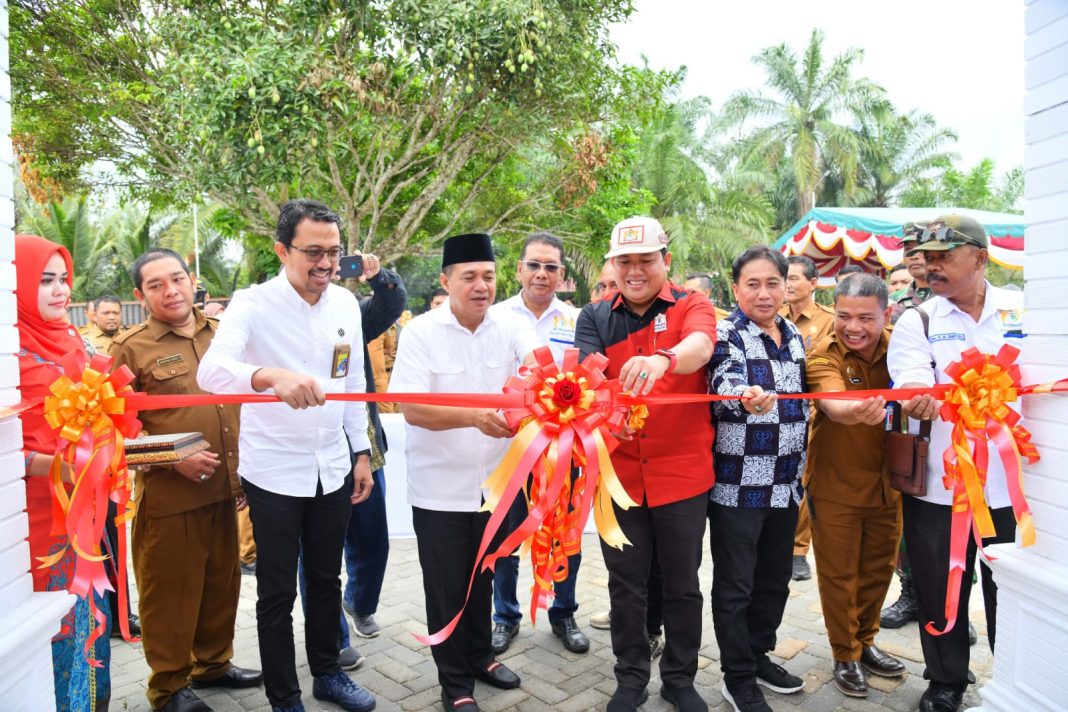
815	323
383	352
856	519
184	540
100	341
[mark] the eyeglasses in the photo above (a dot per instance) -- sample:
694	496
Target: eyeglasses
315	254
945	234
550	267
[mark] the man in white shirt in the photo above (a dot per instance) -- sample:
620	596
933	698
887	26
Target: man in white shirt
540	271
462	347
298	336
965	311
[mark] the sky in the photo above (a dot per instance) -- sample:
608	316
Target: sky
960	61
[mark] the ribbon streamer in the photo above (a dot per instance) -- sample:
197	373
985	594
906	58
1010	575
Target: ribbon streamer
92	418
564	417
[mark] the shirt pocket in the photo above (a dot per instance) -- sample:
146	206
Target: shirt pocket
447	377
172	379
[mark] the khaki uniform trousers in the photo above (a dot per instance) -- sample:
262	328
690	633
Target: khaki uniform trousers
189	582
246	542
855	550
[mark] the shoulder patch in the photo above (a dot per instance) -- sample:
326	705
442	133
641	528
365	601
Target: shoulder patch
124	336
819	361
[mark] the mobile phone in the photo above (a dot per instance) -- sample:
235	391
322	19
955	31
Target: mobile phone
350	266
200	297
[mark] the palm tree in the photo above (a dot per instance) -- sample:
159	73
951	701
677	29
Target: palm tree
898	150
801	120
67	223
183	233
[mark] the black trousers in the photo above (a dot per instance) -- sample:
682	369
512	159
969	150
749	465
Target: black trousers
752	560
280	524
673	533
448	543
927	528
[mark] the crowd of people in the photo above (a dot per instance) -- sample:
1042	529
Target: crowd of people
288	493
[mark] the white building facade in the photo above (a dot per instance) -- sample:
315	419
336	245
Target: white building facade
1032	632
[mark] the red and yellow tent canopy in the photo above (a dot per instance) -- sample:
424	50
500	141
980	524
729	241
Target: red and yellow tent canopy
871	237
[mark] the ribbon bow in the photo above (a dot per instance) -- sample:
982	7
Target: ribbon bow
977	406
91	417
568	414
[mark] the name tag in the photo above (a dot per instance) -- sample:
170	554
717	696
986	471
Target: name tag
660	323
340	367
935	338
169	359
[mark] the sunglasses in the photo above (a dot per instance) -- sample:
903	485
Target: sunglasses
944	234
550	267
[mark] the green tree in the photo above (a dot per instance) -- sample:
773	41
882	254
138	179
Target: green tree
807	117
978	188
67	223
898	150
376	108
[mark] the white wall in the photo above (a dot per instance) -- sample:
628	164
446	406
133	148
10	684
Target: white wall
28	620
1045	350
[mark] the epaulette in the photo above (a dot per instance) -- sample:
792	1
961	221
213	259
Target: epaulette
826	308
123	336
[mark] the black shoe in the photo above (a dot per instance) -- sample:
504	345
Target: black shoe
801	570
235	677
939	699
879	663
746	698
498	675
574	639
465	703
685	699
135	628
627	699
248	569
185	701
972	635
849	678
903	610
502	636
775	678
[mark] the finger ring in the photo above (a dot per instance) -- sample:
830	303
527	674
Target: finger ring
203	478
758	408
643	374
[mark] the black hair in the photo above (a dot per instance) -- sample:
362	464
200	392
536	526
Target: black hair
543	238
759	252
704	279
109	298
436	292
863	285
293	211
156	253
848	270
806	262
896	268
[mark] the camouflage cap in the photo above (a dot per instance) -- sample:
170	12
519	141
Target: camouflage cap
950	231
911	231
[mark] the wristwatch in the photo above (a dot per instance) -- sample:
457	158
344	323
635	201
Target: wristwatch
670	356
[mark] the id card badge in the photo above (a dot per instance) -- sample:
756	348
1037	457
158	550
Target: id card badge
340	364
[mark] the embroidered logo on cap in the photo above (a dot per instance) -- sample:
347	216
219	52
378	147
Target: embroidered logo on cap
631	235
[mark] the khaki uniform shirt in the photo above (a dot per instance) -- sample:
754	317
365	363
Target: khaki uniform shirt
845	462
383	352
814	324
100	341
165	362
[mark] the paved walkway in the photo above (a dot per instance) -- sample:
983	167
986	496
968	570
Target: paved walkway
401	674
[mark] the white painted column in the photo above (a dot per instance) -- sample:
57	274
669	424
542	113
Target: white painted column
28	620
1032	626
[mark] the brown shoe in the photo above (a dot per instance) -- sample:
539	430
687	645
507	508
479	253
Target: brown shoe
849	678
879	663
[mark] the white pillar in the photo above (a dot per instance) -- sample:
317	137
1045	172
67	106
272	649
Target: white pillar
1032	626
28	620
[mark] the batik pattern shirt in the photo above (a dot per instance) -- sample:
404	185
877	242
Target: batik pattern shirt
759	458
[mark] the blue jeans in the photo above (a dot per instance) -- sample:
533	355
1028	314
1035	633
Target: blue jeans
367	550
506	575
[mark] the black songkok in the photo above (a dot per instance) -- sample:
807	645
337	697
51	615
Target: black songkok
472	247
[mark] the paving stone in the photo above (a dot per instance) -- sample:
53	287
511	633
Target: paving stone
400	670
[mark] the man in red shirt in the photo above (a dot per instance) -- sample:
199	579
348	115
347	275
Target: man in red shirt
658	338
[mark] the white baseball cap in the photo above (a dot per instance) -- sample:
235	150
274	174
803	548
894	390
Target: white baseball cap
637	236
